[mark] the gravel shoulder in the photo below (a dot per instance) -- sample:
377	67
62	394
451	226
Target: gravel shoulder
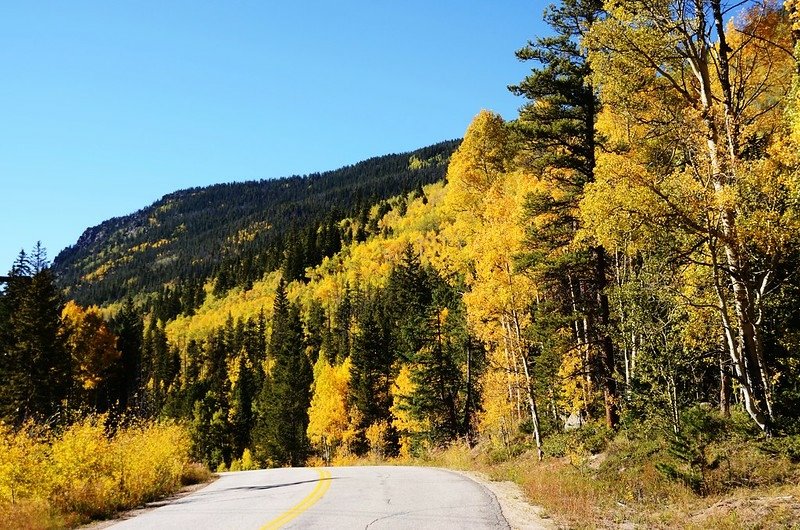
520	514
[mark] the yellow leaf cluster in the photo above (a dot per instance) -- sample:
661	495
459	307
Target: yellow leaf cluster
328	414
90	342
402	419
86	471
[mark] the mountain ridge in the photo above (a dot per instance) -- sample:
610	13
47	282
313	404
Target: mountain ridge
193	234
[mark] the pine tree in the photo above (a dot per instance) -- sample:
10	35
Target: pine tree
437	381
371	369
241	404
285	399
408	295
558	127
129	328
37	368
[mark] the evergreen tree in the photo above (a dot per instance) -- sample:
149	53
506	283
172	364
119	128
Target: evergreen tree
408	296
241	404
341	342
160	366
437	381
557	125
317	332
36	366
129	328
371	370
281	435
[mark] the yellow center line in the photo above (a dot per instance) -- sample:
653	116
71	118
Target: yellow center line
310	499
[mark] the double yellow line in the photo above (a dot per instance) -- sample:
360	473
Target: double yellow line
307	502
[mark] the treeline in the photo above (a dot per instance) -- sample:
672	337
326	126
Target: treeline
248	385
60	359
237	232
268	388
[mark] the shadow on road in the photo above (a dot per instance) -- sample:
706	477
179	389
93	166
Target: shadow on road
204	496
271	486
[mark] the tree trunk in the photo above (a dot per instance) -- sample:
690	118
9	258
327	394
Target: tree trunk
607	360
744	341
514	333
724	385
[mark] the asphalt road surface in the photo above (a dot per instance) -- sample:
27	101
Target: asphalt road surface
339	497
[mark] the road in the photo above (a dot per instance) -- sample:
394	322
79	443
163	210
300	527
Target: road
339	497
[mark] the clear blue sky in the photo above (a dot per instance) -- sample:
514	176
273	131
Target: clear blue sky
107	106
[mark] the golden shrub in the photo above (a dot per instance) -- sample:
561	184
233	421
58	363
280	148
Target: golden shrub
86	475
22	474
151	457
86	472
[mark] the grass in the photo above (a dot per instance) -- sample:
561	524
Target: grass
754	484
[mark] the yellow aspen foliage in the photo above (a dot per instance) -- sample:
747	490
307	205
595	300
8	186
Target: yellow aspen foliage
376	437
214	312
497	418
574	388
90	342
234	364
86	472
22	470
328	414
248	463
351	434
151	458
85	479
245	463
402	419
486	201
479	161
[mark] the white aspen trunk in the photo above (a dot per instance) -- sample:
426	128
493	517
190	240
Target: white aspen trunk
745	354
514	333
735	353
512	373
523	357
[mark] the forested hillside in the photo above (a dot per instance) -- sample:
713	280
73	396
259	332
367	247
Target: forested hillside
615	270
236	232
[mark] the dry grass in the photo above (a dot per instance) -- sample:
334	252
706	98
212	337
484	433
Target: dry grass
623	488
33	514
194	473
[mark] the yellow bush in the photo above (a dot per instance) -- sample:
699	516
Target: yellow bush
376	436
247	461
22	473
152	457
55	480
85	478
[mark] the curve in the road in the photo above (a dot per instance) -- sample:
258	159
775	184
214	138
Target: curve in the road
380	497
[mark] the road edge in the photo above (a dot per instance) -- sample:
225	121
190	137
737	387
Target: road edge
150	506
518	512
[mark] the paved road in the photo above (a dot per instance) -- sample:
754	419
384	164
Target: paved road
340	497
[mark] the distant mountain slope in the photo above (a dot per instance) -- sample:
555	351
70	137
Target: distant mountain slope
248	227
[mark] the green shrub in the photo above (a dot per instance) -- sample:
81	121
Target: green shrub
691	448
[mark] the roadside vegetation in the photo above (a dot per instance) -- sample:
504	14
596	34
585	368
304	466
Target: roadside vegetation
715	476
59	478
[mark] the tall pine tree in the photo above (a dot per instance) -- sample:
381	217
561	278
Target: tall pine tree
36	369
558	127
281	431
